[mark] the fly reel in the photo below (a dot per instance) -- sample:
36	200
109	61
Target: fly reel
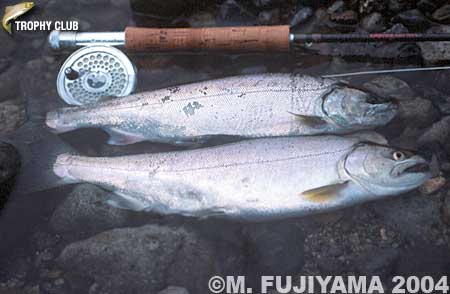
93	72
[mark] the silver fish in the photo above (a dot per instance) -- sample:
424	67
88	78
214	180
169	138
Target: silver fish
254	179
264	105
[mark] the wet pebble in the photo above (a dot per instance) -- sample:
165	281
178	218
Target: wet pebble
413	19
275	248
445	209
390	87
396	5
269	17
417	112
301	16
9	83
427	6
442	14
433	185
373	23
146	259
438	132
336	6
85	212
348	17
441	100
174	290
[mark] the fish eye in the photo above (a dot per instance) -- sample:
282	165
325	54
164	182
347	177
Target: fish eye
398	156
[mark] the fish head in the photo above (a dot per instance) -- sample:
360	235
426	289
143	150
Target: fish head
62	120
353	109
383	170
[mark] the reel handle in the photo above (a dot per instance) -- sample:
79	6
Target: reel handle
257	38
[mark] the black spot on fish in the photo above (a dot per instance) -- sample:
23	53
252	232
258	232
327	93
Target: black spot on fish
191	107
241	95
166	98
174	90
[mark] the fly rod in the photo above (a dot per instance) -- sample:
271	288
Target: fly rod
253	38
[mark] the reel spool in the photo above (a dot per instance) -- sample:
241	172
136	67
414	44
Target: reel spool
93	72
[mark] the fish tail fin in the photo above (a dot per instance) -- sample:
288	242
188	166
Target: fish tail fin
38	154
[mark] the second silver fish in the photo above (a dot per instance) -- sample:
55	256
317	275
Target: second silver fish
249	106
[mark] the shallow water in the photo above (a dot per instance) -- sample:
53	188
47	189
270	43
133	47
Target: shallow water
337	243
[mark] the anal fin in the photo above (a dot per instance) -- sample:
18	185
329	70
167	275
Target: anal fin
119	137
325	193
123	201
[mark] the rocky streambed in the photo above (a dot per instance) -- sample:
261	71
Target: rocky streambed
68	240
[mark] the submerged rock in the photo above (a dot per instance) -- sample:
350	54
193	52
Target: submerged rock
275	248
373	23
413	19
12	115
9	167
390	87
301	16
145	260
436	52
418	112
442	15
174	290
438	132
9	83
85	213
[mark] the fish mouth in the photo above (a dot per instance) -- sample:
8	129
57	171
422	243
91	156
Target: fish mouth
418	168
412	167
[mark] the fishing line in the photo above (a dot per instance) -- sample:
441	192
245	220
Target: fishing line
385	71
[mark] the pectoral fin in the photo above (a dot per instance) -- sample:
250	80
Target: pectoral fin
325	193
119	137
123	201
312	121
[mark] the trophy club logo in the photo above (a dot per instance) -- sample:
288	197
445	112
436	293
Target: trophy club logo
15	11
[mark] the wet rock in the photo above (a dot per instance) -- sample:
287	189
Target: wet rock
417	112
445	210
369	6
144	260
433	185
377	262
436	52
269	17
413	19
266	3
336	7
9	167
348	17
5	62
9	83
275	248
85	213
424	260
162	8
442	14
373	23
174	290
427	6
413	217
301	16
232	12
12	115
396	5
390	87
438	132
202	19
439	99
8	45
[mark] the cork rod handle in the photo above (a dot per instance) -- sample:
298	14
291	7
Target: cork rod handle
258	38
